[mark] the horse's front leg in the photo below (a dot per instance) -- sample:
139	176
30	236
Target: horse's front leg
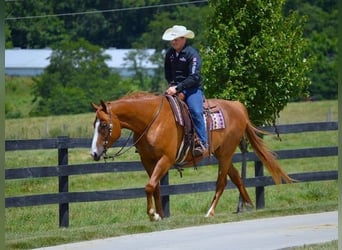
152	189
158	201
154	215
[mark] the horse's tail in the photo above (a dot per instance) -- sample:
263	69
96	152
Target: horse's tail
267	157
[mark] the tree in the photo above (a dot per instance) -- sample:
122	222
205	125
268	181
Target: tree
8	42
37	32
321	29
256	55
139	24
76	76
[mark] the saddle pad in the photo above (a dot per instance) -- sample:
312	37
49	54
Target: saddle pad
217	120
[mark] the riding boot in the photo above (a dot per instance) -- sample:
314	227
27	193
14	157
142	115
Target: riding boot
199	149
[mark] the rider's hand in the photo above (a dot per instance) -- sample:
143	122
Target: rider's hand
171	90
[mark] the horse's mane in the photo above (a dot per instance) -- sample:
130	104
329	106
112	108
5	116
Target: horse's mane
138	94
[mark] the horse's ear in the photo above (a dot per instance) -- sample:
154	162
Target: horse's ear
95	107
104	107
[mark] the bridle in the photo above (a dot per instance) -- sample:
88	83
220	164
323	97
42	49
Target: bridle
122	150
110	129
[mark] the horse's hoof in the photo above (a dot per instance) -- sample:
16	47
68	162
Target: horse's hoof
154	216
249	207
210	213
244	207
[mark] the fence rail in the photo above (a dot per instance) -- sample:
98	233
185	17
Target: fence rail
64	170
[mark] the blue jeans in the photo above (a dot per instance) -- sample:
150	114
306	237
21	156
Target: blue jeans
194	100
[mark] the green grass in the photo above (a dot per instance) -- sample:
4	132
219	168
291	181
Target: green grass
31	227
18	98
320	111
324	246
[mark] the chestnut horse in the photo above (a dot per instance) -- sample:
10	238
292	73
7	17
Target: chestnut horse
157	137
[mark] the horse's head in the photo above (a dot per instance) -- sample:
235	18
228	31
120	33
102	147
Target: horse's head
107	130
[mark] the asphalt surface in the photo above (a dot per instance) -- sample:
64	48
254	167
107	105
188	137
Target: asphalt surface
270	233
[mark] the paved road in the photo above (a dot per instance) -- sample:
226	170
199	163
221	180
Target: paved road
271	233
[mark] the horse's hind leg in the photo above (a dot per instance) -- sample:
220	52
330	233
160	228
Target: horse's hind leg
236	179
221	183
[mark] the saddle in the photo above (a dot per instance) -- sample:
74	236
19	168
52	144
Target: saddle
213	118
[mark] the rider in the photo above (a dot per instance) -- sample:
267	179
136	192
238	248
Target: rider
183	74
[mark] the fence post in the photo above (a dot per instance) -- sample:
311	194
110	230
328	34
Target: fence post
63	181
165	198
259	191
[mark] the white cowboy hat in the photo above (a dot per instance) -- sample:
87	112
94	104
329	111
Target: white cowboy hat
177	31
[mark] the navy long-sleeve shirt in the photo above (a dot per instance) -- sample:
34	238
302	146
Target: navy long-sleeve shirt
184	68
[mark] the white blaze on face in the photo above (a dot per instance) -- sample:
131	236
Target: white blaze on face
94	149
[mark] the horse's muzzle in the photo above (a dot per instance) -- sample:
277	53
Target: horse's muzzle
95	156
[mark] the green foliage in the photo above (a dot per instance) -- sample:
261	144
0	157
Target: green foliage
11	113
122	24
146	80
76	76
321	30
118	25
255	55
17	98
8	36
34	33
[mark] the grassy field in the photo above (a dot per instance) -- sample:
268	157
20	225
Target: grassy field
32	227
18	96
324	246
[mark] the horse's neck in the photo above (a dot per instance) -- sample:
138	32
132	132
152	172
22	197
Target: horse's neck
134	114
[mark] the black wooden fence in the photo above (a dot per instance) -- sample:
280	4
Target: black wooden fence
63	171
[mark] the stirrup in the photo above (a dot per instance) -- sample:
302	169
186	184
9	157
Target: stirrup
199	149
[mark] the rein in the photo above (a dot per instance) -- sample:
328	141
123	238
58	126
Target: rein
121	151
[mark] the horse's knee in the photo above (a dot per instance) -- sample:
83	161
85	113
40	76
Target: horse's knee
149	188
